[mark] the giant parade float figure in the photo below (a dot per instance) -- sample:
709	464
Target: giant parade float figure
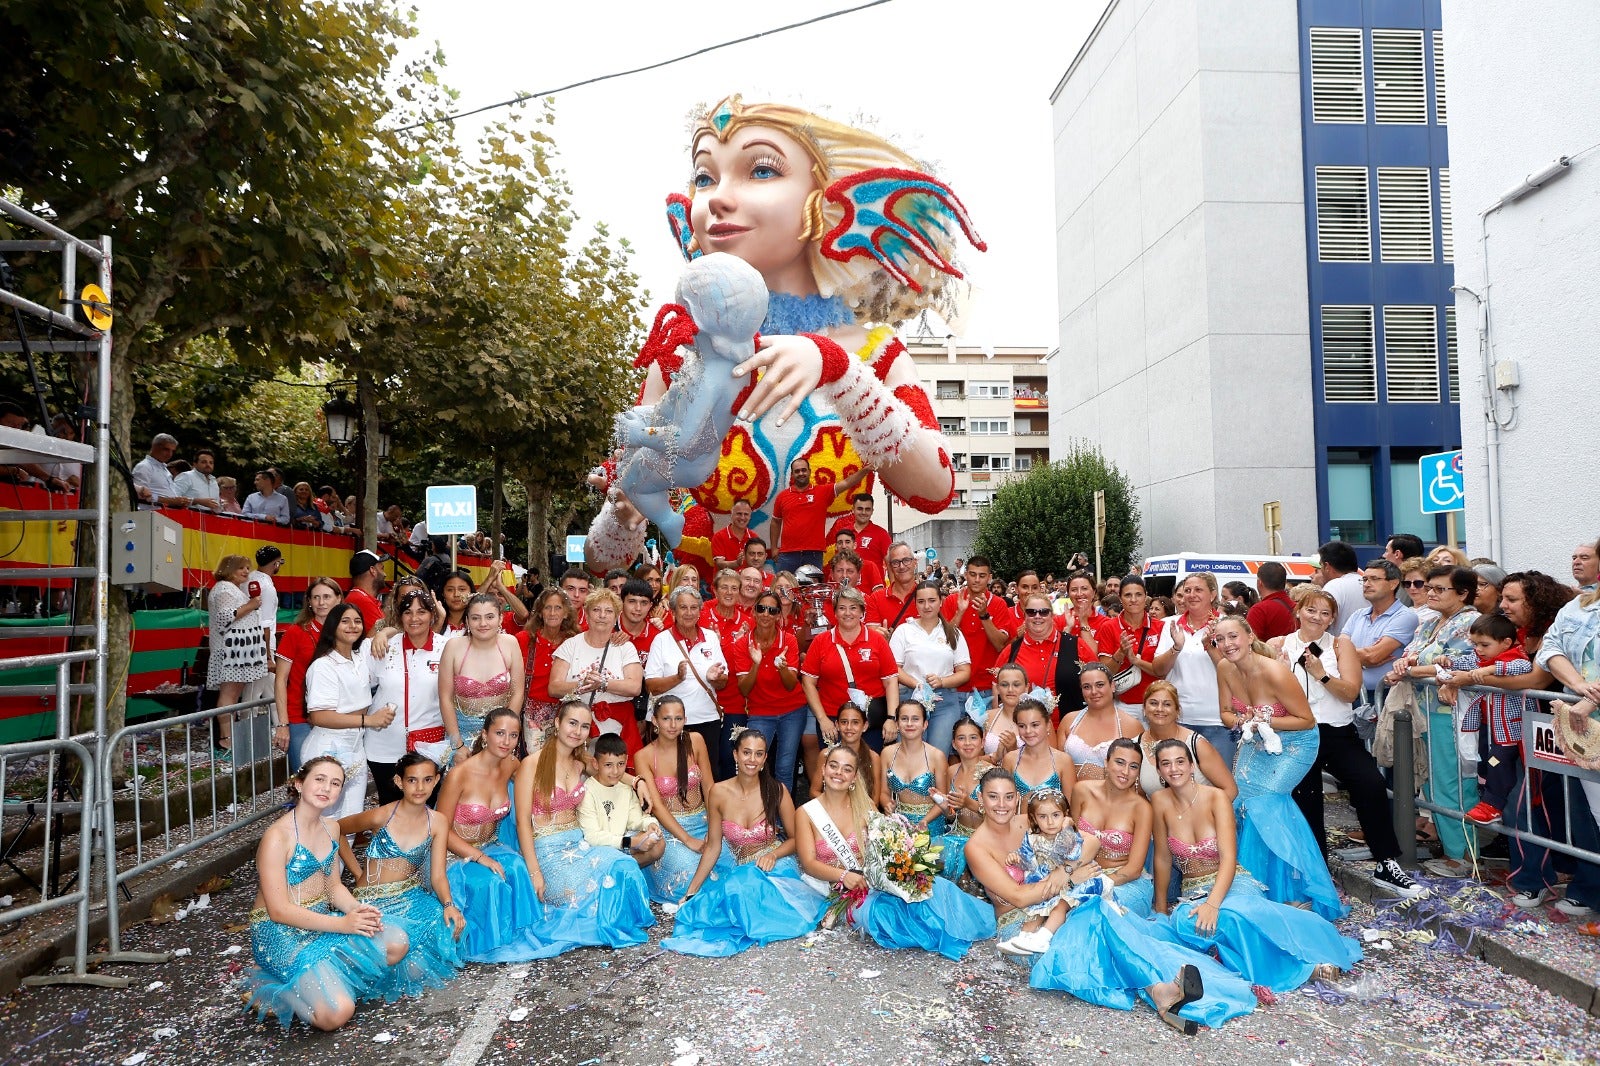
808	242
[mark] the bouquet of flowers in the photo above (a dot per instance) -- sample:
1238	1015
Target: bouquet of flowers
901	860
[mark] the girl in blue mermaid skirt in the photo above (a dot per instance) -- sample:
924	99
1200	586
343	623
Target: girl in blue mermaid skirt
1275	843
1100	953
830	832
762	899
318	952
403	875
592	896
1222	908
675	769
490	882
963	800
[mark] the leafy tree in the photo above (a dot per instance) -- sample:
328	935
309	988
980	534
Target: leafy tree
1040	521
238	155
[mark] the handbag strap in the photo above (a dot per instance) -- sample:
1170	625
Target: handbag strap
684	651
905	605
849	674
600	666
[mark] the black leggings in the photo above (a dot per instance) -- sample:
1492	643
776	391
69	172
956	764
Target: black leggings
383	774
1342	754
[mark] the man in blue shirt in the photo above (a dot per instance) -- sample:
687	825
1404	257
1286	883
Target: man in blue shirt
1381	630
265	504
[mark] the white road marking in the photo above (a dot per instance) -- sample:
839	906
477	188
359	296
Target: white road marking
475	1038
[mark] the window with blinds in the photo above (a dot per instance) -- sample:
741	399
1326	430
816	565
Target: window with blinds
1344	226
1399	84
1447	226
1438	77
1411	354
1452	361
1405	214
1338	76
1349	367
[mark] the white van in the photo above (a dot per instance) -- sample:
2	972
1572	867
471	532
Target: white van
1163	573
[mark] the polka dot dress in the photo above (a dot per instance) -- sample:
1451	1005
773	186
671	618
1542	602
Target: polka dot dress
238	647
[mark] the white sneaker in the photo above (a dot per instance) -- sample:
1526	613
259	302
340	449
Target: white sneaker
1573	909
1034	943
1016	946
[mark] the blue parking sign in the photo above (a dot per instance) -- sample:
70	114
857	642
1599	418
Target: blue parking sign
1444	482
452	509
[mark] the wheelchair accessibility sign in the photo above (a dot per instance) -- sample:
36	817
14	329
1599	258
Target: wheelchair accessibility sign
1444	482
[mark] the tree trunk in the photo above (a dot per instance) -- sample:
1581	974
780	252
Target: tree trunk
498	510
539	530
369	473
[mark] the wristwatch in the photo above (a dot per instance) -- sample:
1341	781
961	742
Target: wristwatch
627	842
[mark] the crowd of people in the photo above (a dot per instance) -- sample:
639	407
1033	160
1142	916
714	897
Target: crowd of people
1130	802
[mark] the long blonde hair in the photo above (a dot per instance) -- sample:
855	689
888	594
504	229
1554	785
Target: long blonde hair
861	806
837	151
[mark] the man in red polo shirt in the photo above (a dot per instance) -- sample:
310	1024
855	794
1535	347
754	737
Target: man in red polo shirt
984	619
366	587
730	620
800	516
872	540
887	607
869	575
1273	614
727	543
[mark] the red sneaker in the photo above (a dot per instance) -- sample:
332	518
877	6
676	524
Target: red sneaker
1484	813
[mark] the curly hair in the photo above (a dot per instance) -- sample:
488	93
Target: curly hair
1545	595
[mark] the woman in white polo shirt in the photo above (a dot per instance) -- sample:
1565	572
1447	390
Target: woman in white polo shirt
339	704
406	672
932	651
687	661
1186	656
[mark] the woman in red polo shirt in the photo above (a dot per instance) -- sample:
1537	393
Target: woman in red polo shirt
1136	632
295	646
848	656
765	663
550	624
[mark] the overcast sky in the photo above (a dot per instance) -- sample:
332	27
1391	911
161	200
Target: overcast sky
962	84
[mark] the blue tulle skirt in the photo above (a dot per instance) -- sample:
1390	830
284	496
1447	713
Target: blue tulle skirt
1108	959
669	876
300	972
946	923
434	955
1136	896
745	906
1275	843
496	909
1266	943
955	851
593	897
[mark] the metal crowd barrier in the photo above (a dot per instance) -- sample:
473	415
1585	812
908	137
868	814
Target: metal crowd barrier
55	805
207	804
1540	752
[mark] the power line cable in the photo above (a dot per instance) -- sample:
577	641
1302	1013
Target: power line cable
640	70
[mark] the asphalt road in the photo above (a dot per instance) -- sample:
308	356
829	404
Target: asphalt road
831	998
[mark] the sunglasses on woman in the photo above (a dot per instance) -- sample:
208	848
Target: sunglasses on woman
1415	584
1037	612
767	608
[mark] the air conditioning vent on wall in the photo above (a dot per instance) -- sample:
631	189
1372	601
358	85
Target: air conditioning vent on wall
1344	224
1399	84
1405	214
1338	77
1411	354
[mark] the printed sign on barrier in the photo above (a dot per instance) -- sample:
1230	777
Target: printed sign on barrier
1541	751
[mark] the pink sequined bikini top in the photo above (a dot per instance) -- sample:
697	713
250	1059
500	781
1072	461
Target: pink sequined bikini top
667	784
1200	851
1278	710
739	838
825	853
470	688
1115	844
480	814
560	800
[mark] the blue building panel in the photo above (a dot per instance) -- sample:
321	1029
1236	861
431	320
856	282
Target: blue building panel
1371	448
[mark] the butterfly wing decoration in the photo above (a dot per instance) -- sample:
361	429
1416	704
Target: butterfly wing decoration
678	219
891	215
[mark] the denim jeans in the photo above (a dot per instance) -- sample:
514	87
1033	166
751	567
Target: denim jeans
1221	738
783	740
1534	867
948	707
298	731
793	561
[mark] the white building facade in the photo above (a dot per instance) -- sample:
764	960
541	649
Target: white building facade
1237	328
1524	94
994	407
